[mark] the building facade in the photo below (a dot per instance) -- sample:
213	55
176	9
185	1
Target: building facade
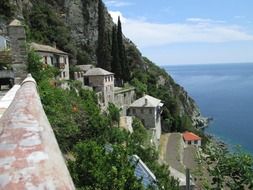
53	57
79	75
148	109
123	97
102	82
191	139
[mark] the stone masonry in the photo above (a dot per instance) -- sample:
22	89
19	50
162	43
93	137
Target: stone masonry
16	33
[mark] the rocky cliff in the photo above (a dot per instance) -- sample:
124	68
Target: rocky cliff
73	24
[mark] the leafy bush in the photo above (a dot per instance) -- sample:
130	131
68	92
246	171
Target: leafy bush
230	170
38	70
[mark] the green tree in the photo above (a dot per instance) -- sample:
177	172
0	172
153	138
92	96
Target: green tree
122	54
113	113
45	26
97	168
229	169
38	70
6	9
103	47
116	66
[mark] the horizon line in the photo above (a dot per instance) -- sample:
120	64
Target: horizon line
194	64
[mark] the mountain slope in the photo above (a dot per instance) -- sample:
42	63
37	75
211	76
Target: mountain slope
73	25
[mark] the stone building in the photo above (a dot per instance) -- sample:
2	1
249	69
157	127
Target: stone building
79	75
17	35
191	139
53	57
148	109
123	97
102	82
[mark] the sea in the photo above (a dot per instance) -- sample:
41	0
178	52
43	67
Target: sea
225	93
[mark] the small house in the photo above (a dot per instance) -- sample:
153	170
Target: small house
191	139
102	82
148	109
53	57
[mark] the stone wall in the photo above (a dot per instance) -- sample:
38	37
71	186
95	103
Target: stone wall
104	85
150	119
123	98
32	158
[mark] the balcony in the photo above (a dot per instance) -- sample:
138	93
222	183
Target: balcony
61	65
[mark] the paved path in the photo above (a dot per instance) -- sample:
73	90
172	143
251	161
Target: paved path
174	152
189	159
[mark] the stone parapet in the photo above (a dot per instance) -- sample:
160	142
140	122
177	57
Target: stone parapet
30	157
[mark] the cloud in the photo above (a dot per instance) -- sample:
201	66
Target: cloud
115	15
117	3
239	17
204	20
192	30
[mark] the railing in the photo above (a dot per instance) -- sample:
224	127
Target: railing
61	65
30	157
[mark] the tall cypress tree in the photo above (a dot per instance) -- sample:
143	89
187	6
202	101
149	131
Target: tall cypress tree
103	47
116	66
122	54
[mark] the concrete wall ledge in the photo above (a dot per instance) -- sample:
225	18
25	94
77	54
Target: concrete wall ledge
30	157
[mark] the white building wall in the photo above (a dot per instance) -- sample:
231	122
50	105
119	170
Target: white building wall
198	143
151	120
105	84
52	60
66	68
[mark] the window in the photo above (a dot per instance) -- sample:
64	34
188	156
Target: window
45	59
52	60
150	110
189	142
142	111
63	74
195	142
134	111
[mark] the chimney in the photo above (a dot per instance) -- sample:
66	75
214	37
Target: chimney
146	101
17	36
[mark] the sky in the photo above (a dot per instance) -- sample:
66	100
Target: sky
175	32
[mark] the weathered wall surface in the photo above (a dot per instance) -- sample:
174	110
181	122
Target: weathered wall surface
30	157
123	98
18	48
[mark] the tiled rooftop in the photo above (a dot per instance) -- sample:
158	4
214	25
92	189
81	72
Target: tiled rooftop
147	101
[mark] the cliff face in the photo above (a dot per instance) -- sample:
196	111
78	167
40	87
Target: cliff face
80	21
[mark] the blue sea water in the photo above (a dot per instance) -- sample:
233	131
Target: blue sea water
224	92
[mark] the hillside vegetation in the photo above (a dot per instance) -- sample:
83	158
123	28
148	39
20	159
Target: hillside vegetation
86	31
97	150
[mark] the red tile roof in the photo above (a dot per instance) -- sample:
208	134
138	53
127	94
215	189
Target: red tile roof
189	136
